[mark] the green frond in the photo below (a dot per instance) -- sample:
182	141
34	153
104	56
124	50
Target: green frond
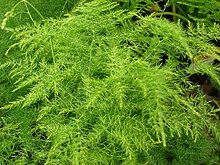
103	89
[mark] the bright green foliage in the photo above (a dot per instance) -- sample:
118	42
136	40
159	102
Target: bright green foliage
15	13
23	11
92	88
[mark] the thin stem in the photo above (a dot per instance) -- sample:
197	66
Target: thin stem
25	1
52	50
65	4
165	7
170	13
28	12
90	53
17	4
174	11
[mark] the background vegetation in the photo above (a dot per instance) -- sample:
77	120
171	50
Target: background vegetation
109	82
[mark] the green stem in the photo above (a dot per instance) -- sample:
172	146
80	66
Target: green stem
52	50
174	11
167	3
28	12
25	1
170	13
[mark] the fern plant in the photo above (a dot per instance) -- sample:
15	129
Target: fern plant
98	90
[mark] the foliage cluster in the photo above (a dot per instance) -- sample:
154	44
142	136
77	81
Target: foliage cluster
96	87
22	12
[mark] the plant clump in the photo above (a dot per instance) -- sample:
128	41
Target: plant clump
96	87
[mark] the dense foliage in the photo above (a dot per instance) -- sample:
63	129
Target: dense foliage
108	85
